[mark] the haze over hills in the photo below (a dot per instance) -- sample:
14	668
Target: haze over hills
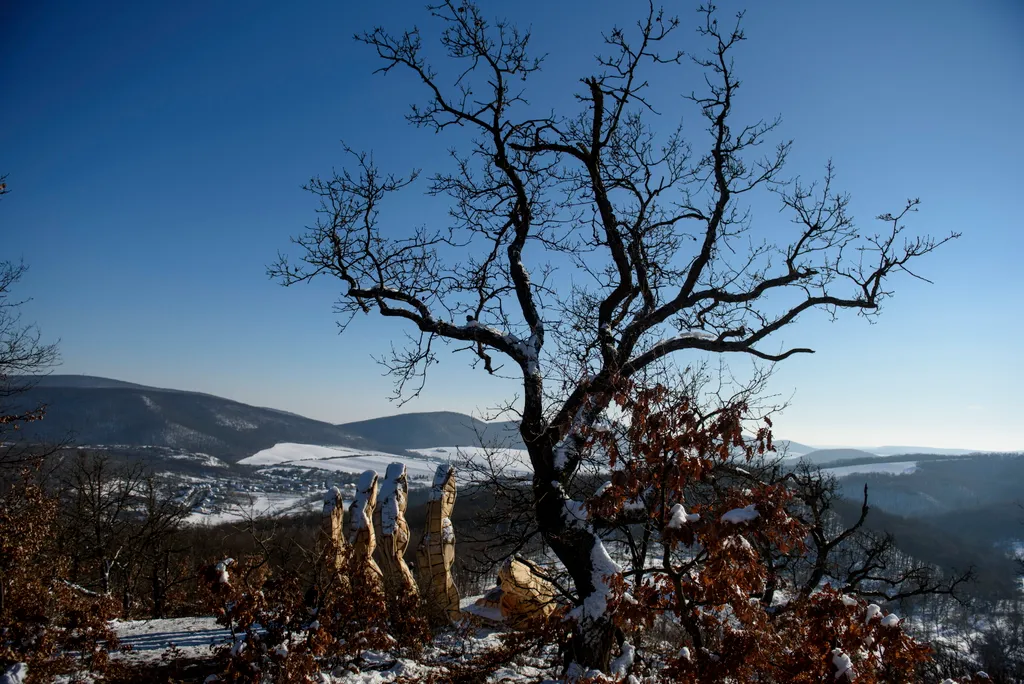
94	411
830	455
788	447
897	450
438	428
102	411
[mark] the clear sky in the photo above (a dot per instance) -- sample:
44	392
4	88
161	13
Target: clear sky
155	153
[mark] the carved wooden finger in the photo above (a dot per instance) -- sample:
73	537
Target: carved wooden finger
389	519
436	552
332	526
361	535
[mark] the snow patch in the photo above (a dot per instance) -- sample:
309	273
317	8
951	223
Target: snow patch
391	495
15	674
204	459
360	519
680	517
337	459
621	665
440	477
575	511
567	443
234	422
842	663
222	570
738	516
602	568
900	468
332	499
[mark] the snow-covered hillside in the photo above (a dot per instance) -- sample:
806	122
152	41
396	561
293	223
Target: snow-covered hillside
420	463
264	504
899	468
340	459
504	461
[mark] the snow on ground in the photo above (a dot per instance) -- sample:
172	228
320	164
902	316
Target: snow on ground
196	637
507	461
234	422
203	459
260	504
420	463
900	468
467	604
338	459
149	639
290	452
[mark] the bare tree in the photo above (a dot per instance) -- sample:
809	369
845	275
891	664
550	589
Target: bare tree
582	247
103	503
22	353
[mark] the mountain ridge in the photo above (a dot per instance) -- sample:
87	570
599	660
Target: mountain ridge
435	429
98	410
94	411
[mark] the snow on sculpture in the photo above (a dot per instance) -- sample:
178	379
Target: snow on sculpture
389	519
436	552
332	525
361	535
524	595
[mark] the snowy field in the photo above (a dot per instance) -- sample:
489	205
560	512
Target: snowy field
202	459
196	637
150	639
420	463
505	461
339	459
266	504
899	468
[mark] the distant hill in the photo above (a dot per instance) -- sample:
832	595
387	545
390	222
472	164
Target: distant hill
943	485
791	448
902	450
100	411
94	410
819	456
86	382
439	428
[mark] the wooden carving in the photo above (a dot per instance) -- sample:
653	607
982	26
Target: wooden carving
389	519
436	552
332	526
524	595
361	535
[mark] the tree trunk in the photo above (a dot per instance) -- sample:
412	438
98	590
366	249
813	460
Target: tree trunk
574	542
157	590
105	566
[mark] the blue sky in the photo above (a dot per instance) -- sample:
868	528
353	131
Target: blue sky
156	153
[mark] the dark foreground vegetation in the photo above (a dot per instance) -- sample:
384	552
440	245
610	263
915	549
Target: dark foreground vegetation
86	539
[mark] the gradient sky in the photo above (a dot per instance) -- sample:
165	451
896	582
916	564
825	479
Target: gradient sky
156	153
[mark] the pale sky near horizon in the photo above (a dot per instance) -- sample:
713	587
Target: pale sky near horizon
155	154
